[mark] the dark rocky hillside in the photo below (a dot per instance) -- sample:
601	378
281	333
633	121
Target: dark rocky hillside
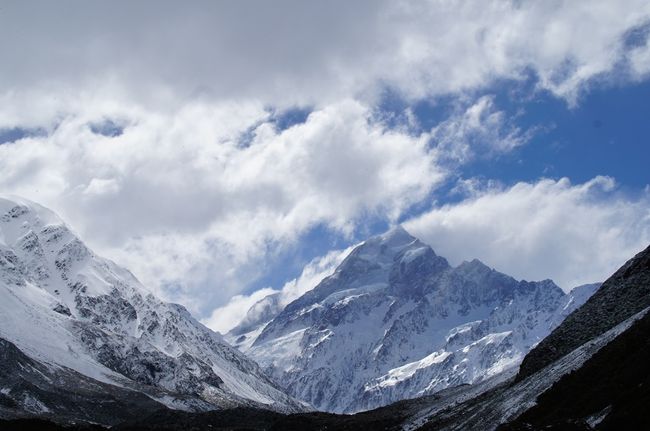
27	384
622	295
611	391
235	419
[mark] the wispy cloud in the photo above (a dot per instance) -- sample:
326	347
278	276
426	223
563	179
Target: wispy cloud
239	307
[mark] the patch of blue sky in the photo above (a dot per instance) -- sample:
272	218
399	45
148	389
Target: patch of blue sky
608	133
13	134
282	120
107	127
288	263
290	117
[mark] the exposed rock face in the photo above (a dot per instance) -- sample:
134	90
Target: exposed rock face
32	388
396	321
66	308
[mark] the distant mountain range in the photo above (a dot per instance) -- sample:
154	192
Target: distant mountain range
83	344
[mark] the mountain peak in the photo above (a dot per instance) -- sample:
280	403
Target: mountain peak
396	235
474	265
381	249
401	322
18	215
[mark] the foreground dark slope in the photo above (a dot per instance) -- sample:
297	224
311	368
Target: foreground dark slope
33	383
611	391
391	417
622	295
234	419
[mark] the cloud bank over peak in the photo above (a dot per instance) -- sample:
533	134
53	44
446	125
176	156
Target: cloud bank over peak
184	200
574	233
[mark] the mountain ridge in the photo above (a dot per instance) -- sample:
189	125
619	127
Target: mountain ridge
404	323
66	308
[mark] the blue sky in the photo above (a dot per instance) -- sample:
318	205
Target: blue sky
230	150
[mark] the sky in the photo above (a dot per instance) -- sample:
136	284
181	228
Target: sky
224	151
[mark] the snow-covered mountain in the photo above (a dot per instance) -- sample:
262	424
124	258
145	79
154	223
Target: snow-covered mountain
72	313
396	321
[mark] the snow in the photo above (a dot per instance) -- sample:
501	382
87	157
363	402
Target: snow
248	338
34	405
596	419
45	267
413	254
517	398
404	372
344	297
281	352
467	325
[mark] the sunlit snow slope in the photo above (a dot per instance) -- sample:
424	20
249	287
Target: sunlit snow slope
73	313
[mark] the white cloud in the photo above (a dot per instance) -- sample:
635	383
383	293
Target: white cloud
640	61
312	274
184	202
573	234
228	316
194	210
289	52
478	128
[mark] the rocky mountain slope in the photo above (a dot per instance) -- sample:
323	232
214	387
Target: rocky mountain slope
611	391
601	384
622	295
396	321
512	398
66	313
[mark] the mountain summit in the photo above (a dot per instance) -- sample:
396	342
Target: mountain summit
396	321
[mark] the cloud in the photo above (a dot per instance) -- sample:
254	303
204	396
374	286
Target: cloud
187	203
573	234
158	142
239	307
290	52
224	318
478	128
